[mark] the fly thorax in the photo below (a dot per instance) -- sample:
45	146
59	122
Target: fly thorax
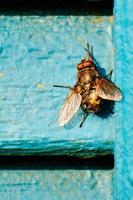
85	78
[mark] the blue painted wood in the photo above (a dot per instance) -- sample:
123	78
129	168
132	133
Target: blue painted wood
124	74
56	185
35	53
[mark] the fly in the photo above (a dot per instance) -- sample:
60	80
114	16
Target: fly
89	91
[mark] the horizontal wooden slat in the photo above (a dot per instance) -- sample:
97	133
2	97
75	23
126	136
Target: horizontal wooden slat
56	184
35	53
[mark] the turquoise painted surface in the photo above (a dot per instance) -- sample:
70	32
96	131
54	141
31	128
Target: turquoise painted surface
56	185
124	73
35	53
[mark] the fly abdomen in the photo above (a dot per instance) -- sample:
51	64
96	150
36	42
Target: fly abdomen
91	102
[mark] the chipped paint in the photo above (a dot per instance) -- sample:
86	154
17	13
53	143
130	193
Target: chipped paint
40	86
1	74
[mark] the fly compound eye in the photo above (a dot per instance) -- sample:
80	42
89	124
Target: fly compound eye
80	66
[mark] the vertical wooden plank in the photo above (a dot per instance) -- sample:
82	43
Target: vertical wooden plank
124	124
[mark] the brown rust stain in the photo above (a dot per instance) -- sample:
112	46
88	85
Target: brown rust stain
99	20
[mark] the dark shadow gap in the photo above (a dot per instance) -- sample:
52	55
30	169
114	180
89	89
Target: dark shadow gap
58	7
55	163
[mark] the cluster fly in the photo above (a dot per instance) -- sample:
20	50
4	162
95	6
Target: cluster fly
89	91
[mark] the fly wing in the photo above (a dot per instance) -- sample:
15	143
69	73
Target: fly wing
107	90
70	107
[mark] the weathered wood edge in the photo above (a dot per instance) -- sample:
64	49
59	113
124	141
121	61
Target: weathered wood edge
69	148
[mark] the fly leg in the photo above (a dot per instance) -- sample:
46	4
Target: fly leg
84	118
109	75
110	110
63	86
89	52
